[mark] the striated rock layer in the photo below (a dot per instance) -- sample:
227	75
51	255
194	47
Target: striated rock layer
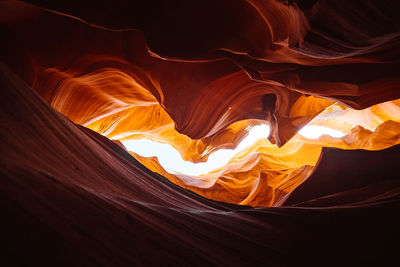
72	196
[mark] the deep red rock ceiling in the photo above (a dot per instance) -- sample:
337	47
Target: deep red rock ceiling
196	74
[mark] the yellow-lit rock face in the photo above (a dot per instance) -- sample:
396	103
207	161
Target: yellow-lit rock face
263	174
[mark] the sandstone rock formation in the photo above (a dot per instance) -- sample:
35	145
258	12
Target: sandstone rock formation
198	75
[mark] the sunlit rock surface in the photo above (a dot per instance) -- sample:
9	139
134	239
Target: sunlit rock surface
199	75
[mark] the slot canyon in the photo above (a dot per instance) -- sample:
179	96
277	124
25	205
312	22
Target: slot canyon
200	133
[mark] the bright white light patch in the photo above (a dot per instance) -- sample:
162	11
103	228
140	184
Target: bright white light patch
171	160
314	132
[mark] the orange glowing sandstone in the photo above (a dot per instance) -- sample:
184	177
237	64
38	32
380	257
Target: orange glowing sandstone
264	173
